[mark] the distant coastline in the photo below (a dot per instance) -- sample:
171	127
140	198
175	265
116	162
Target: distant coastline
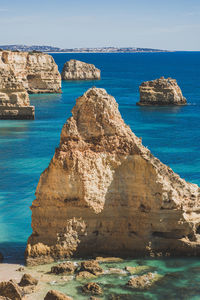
50	49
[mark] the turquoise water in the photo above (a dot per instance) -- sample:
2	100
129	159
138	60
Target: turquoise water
171	133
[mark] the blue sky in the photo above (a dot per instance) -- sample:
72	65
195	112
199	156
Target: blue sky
169	24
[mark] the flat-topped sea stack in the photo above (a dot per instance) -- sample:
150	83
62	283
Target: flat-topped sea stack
104	193
78	70
162	91
37	72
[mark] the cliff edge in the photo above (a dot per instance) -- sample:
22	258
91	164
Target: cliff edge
105	193
37	72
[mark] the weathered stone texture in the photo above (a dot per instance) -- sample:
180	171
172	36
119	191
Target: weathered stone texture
162	91
105	193
78	70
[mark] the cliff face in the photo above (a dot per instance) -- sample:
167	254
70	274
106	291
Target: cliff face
37	72
78	70
162	91
105	193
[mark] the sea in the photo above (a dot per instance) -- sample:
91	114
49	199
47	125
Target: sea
171	133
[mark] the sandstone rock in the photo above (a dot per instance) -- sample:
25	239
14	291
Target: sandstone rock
138	269
37	72
27	279
78	70
105	192
55	295
144	282
108	259
162	91
91	266
85	275
11	290
64	268
92	288
14	103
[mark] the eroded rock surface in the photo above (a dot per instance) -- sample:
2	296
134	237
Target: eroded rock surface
64	268
27	280
36	72
55	295
105	193
92	288
78	70
11	290
145	281
162	91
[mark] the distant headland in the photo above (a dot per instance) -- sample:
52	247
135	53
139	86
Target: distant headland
79	50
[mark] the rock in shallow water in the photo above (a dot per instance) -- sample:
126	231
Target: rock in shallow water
78	70
105	193
64	268
92	288
144	282
162	91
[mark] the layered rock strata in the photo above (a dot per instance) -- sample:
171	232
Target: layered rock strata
105	193
15	104
37	72
162	91
78	70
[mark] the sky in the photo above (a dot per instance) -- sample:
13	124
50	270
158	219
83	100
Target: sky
161	24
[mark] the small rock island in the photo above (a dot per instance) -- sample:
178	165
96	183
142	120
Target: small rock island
78	70
105	193
162	91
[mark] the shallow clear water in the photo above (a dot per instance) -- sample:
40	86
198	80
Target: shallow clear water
171	133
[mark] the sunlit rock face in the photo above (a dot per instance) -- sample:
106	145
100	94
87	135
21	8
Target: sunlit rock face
78	70
37	72
162	91
104	193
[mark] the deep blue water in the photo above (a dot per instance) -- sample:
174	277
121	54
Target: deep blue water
171	133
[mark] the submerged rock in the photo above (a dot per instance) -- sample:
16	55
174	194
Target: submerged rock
85	275
162	91
27	280
64	268
55	295
92	288
11	290
78	70
105	193
37	72
138	269
144	282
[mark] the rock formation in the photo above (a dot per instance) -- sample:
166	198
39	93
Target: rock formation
105	193
78	70
37	72
162	91
15	104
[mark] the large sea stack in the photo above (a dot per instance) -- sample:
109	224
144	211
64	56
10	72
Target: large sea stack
162	91
37	72
78	70
105	193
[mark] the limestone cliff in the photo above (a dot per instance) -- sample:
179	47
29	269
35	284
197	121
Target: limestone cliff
162	91
78	70
14	102
105	193
37	72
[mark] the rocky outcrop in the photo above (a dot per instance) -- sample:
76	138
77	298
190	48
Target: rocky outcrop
92	288
11	290
78	70
162	91
104	193
15	104
36	72
27	280
64	268
144	282
55	295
